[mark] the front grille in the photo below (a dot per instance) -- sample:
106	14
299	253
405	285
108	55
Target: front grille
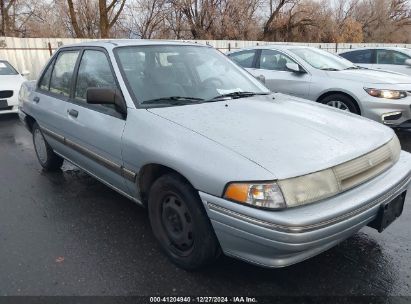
6	94
6	109
362	169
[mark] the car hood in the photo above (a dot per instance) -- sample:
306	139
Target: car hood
371	76
287	136
11	82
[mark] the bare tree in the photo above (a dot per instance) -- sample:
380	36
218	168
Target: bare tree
146	17
274	20
7	25
236	19
108	14
199	14
275	9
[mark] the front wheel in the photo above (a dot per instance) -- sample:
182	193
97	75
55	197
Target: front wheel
49	160
342	102
180	223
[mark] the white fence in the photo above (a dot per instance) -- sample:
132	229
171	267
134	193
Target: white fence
32	53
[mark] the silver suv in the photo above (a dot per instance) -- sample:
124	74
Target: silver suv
220	162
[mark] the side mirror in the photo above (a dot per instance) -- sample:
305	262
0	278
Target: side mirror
408	62
25	73
261	78
107	96
293	67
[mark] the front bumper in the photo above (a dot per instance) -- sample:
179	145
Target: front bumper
392	113
12	103
11	109
282	238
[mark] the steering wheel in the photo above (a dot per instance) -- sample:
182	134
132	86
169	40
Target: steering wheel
211	80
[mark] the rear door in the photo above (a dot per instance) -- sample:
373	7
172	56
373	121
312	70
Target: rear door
94	132
271	68
48	103
245	59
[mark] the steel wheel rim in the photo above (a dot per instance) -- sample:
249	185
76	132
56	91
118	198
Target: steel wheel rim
339	105
177	223
40	146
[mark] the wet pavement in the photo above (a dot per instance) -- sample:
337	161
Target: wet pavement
65	233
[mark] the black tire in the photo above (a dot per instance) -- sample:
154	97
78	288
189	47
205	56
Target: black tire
180	223
49	160
346	101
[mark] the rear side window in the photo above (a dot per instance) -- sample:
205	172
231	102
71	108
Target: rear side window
362	56
94	72
60	82
45	79
243	58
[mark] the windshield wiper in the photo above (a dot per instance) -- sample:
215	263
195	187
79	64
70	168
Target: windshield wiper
174	100
356	67
236	95
329	69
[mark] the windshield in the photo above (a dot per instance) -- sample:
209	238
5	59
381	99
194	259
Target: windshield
323	60
407	51
171	74
7	69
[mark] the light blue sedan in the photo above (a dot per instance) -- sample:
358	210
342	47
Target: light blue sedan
222	164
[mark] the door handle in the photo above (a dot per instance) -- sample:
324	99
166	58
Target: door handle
36	99
73	113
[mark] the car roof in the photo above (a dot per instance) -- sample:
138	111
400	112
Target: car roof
275	47
112	43
377	48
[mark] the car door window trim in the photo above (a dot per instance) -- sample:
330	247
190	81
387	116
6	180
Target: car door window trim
53	62
258	58
72	99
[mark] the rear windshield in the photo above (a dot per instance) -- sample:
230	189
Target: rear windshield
7	69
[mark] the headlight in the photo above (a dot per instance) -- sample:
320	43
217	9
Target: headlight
23	94
388	94
309	188
319	185
264	195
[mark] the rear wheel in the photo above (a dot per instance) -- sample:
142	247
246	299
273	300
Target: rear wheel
49	160
342	102
180	224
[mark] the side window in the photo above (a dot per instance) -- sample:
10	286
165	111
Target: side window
243	58
45	79
94	71
363	56
60	82
273	60
391	57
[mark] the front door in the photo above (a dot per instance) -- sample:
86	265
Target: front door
94	132
391	60
271	68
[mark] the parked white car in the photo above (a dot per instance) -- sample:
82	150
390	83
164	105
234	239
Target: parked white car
318	75
387	58
10	83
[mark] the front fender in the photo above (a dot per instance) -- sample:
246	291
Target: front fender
207	165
